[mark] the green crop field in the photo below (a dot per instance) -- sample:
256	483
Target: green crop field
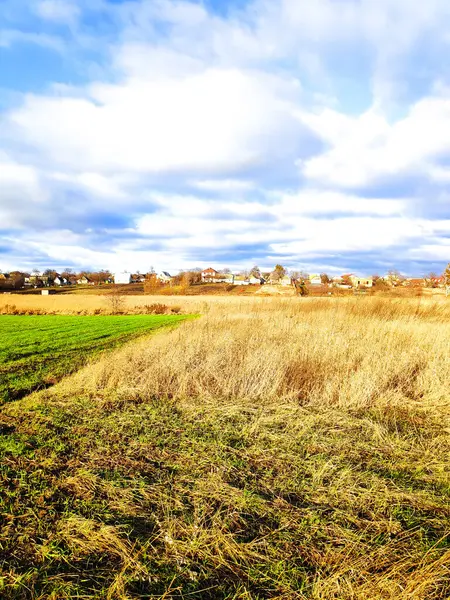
37	350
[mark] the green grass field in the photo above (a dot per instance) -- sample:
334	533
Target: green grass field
36	351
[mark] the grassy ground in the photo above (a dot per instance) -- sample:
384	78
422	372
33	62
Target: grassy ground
207	289
36	351
272	449
131	289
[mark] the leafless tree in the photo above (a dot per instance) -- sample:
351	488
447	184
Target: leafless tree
116	302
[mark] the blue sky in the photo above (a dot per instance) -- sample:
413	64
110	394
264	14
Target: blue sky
180	133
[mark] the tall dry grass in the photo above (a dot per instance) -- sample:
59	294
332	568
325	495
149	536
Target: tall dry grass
101	304
347	352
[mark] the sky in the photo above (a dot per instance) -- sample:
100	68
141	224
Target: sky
225	133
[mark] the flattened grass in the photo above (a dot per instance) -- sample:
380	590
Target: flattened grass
36	351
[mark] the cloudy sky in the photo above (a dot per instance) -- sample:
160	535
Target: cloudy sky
180	133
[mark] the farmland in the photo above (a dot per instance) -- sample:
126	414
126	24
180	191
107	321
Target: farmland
273	448
36	351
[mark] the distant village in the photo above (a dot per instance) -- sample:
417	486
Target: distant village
278	276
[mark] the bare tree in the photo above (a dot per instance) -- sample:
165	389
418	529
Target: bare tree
116	302
394	278
255	272
431	280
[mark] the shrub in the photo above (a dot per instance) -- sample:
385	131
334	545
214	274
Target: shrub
116	302
156	309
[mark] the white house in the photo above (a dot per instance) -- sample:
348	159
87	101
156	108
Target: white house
60	281
122	278
357	281
256	280
315	279
209	275
164	277
83	280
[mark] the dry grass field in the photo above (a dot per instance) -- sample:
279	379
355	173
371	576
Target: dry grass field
273	448
92	304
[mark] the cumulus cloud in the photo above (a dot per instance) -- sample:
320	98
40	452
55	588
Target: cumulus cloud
221	120
285	130
367	147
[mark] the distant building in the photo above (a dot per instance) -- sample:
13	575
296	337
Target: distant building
414	282
276	279
122	278
241	280
136	278
83	280
315	279
209	275
164	277
60	281
358	281
438	281
256	280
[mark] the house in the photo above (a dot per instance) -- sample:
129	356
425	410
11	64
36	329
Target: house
315	279
38	281
256	280
83	280
136	278
164	277
358	281
342	282
414	282
209	275
122	278
438	281
60	281
240	280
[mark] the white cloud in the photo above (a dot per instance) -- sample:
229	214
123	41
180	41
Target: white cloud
8	37
366	148
112	187
60	11
22	194
218	119
223	185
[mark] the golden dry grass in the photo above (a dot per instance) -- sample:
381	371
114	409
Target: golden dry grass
274	448
91	304
360	352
